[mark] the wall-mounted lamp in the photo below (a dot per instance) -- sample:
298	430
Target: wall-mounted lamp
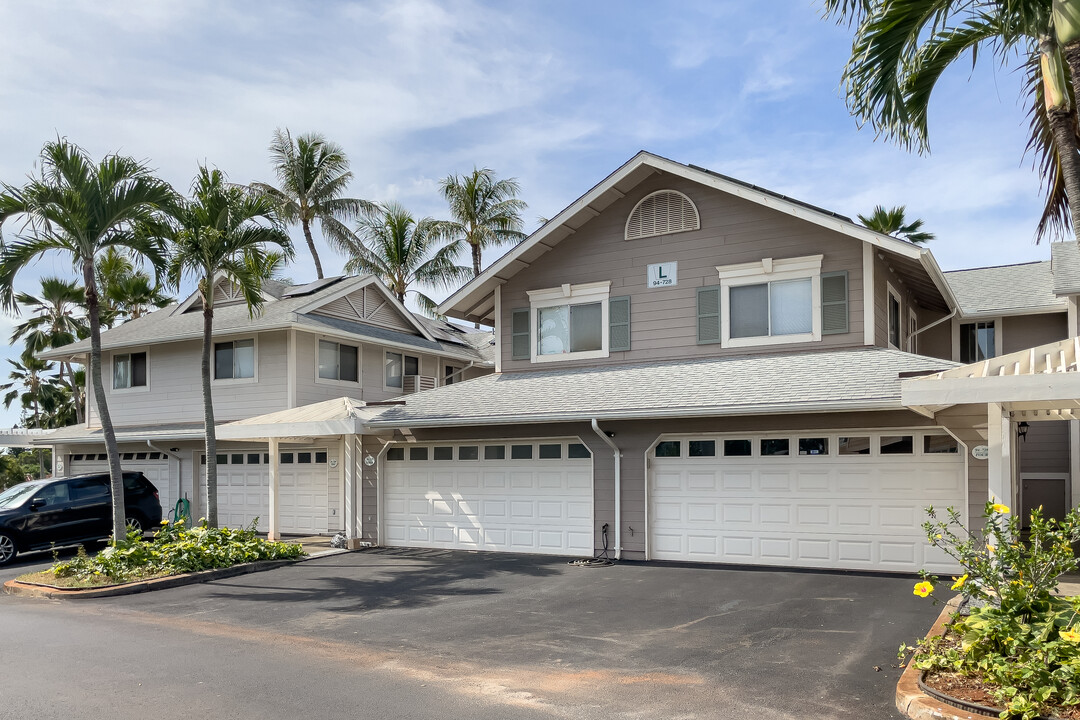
1021	430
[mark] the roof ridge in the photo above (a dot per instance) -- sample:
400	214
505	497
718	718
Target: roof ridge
995	267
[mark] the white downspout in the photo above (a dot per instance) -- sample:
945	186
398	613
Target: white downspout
618	485
460	372
950	316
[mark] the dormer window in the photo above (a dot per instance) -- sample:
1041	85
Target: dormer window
662	213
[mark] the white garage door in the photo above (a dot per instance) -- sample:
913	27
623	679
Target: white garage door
527	496
154	465
244	490
853	500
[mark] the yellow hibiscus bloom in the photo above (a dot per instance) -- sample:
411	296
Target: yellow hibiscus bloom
923	589
960	582
1070	635
999	508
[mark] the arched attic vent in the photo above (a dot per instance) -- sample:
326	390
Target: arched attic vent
662	213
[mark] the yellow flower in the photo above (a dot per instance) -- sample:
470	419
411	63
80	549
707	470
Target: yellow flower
923	589
989	548
999	508
960	582
1070	635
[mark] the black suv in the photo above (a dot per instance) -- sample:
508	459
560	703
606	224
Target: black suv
38	514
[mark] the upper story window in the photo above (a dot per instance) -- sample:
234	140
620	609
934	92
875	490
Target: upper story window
770	302
978	341
397	366
234	359
129	370
338	361
894	317
569	322
662	213
451	375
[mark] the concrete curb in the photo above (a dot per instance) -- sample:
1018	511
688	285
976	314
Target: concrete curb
14	587
912	701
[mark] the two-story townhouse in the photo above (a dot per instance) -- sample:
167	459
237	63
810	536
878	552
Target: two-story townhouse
338	338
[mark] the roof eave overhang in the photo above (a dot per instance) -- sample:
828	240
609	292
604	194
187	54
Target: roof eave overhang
281	430
1007	312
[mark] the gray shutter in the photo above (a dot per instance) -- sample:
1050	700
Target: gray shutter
520	337
834	302
619	323
708	314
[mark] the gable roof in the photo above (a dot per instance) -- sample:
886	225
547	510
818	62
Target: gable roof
1007	289
474	300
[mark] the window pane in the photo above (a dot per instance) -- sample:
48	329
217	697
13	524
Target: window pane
328	355
749	311
791	307
468	452
140	456
554	330
738	448
521	452
222	459
702	448
320	457
121	371
412	365
244	359
237	459
896	445
813	446
774	447
347	363
393	370
443	453
894	321
940	444
138	369
223	363
551	452
494	452
395	453
253	459
669	448
450	375
418	453
577	451
985	341
585	330
303	457
853	446
286	458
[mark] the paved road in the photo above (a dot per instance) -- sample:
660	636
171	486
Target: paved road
410	634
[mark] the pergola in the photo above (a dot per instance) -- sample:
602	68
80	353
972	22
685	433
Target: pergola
982	403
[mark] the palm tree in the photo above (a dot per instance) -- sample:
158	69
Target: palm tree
485	210
901	49
58	319
221	232
392	245
29	385
136	295
893	222
312	175
78	208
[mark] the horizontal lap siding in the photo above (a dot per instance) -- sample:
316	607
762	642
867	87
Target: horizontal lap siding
664	321
1028	331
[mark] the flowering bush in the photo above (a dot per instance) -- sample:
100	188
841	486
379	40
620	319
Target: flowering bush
1019	639
176	549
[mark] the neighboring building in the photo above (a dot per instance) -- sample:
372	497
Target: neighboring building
687	368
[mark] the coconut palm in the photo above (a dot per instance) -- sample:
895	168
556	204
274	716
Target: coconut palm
401	251
485	210
58	319
78	208
902	48
312	175
894	222
222	232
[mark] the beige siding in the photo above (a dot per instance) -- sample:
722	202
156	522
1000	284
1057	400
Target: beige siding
1026	331
663	321
1045	449
937	341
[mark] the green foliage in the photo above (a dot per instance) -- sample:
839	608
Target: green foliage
1020	640
18	465
176	549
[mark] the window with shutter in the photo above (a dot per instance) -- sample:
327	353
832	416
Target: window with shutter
619	324
708	314
520	343
661	213
834	303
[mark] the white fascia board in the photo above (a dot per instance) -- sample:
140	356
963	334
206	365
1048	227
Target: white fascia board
938	276
326	428
1040	387
1014	312
343	335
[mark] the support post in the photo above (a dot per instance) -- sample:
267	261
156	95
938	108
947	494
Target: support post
275	475
1000	462
349	472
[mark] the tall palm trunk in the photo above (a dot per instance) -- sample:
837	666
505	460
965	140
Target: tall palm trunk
475	268
116	475
1062	120
208	406
76	392
306	224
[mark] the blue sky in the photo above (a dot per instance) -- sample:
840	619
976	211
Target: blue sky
552	92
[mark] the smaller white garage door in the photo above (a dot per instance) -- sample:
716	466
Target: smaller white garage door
852	500
154	465
525	496
244	490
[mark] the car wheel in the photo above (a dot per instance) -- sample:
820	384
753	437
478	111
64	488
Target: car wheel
7	549
135	523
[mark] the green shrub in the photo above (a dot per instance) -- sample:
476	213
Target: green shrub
176	549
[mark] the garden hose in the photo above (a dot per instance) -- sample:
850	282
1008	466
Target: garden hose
182	510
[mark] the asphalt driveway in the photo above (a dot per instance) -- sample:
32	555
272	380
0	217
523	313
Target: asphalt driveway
527	636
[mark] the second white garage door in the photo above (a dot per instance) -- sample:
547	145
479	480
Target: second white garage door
851	500
525	496
244	490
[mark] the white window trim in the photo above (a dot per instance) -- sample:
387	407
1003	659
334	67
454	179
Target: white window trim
569	295
913	327
998	335
234	381
769	270
134	388
403	354
892	293
359	363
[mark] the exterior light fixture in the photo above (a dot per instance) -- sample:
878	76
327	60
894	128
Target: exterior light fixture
1021	430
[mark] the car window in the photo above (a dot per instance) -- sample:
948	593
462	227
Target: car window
54	493
132	482
88	489
14	497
